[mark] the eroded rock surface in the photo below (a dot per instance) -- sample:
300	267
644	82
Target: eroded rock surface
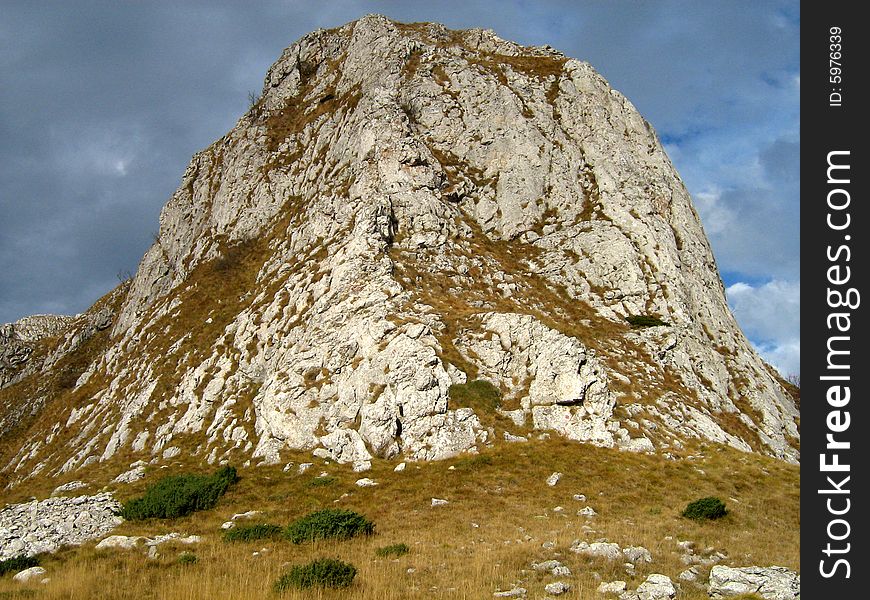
405	209
771	583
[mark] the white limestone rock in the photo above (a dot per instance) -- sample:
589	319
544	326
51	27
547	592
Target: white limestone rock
69	487
606	550
637	554
45	526
553	479
538	199
771	583
557	588
28	575
611	587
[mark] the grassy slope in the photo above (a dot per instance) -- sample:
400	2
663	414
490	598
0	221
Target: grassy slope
638	499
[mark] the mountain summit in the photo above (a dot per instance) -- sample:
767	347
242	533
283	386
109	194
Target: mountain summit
416	242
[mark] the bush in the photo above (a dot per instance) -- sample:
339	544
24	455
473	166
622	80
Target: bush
637	321
393	550
705	508
18	563
329	523
249	533
187	558
321	481
478	394
180	495
323	572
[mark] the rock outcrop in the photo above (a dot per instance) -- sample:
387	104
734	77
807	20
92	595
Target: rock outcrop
407	208
44	526
771	583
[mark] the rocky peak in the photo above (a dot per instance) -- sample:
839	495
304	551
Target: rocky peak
406	209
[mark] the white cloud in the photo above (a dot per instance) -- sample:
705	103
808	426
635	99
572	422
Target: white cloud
770	316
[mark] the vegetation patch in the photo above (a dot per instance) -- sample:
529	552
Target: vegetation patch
474	463
705	509
393	550
639	321
180	495
18	563
249	533
187	558
329	523
322	481
323	572
478	394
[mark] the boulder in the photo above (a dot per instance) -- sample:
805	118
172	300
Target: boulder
607	550
771	583
28	575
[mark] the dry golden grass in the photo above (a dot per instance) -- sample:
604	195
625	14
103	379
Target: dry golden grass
500	513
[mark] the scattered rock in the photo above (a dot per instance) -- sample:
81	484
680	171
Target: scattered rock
44	526
636	554
612	587
557	588
517	592
771	583
554	479
656	587
303	467
27	575
587	511
123	542
508	437
227	525
245	515
119	542
439	502
580	497
68	487
136	472
362	465
552	566
690	574
607	550
399	467
366	482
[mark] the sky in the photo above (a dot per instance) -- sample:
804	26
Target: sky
102	105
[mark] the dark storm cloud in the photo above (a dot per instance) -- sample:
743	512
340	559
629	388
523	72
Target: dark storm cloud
103	103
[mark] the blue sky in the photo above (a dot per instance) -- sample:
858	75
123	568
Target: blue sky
103	103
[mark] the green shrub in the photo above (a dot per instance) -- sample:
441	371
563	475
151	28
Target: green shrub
478	394
705	508
249	533
321	481
323	572
187	558
329	523
180	495
393	550
18	563
637	321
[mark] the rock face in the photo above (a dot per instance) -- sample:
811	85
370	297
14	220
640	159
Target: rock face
405	209
771	583
44	526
